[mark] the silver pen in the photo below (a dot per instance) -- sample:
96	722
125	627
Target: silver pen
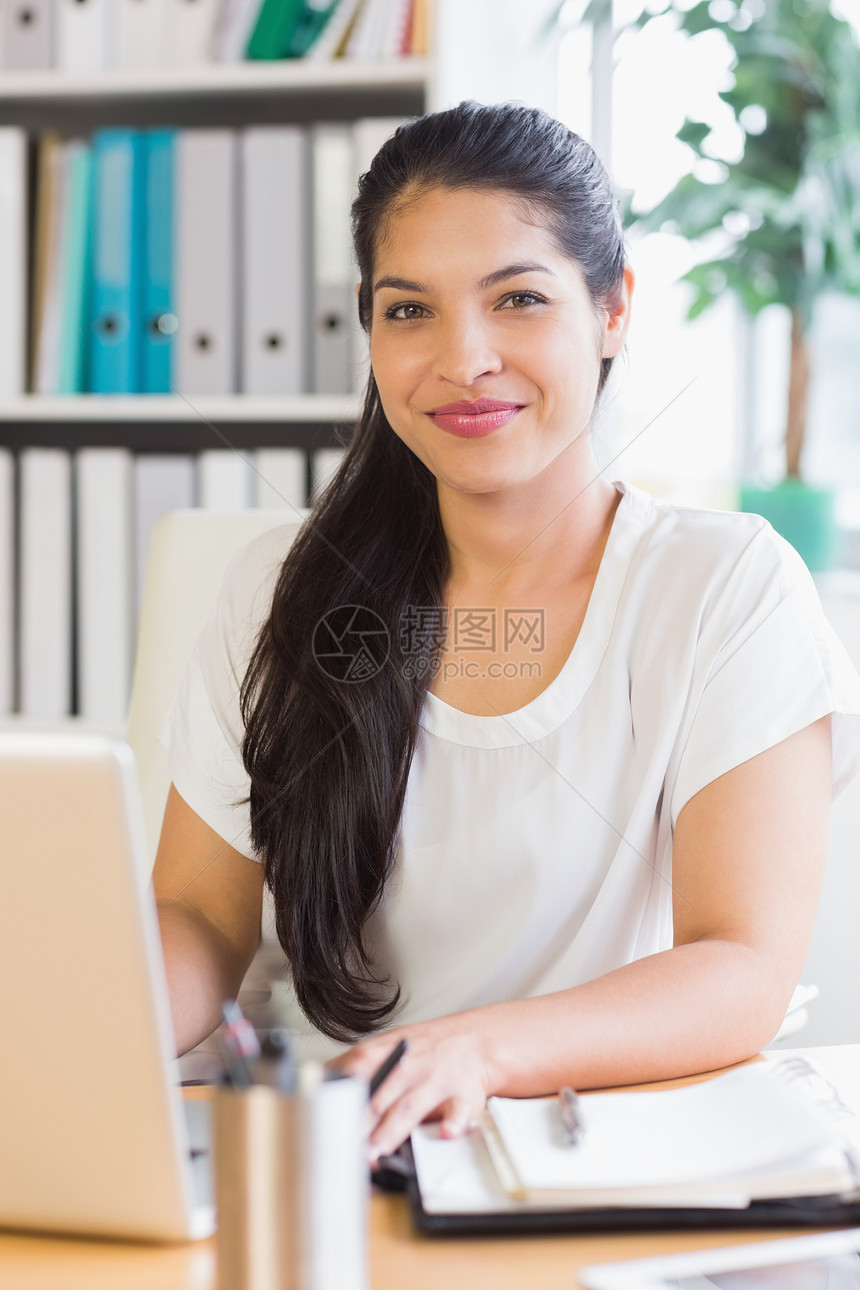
572	1120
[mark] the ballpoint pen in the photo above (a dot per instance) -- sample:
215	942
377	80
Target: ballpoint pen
570	1109
387	1067
389	1172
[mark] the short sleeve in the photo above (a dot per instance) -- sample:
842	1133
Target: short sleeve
202	730
768	665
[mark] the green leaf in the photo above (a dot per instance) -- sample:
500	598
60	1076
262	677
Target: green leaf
698	19
796	188
694	133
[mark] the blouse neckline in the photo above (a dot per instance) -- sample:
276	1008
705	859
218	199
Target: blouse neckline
551	708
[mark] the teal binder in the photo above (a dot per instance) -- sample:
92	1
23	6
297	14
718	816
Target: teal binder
310	24
75	270
159	317
274	28
117	297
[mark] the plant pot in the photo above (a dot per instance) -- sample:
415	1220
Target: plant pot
801	513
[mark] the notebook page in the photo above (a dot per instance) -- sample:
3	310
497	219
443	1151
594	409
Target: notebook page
456	1176
719	1129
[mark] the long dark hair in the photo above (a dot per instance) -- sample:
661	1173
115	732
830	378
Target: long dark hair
333	694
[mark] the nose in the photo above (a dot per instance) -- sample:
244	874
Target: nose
465	351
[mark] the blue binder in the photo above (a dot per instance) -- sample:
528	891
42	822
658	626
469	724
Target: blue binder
117	296
159	317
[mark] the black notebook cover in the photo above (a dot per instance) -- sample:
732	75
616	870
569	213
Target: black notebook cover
804	1211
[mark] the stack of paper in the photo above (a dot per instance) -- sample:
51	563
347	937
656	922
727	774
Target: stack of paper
739	1137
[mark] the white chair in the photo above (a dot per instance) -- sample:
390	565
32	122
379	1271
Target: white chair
188	555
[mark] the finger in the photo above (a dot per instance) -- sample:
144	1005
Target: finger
409	1073
416	1104
457	1117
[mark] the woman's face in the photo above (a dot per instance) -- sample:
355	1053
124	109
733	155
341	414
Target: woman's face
475	307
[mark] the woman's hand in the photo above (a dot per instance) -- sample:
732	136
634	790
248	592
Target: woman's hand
443	1075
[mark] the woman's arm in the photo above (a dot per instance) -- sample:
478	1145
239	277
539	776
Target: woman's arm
210	902
748	860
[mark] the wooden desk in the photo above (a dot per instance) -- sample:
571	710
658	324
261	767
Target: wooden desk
399	1259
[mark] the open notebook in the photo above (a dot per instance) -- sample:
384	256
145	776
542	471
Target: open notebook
768	1139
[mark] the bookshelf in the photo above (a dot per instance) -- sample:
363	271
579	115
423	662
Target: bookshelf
489	50
164	423
240	407
207	95
26	87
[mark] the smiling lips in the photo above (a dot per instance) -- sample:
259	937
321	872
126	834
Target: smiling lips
476	418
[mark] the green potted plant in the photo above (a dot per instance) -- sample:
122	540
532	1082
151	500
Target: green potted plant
788	209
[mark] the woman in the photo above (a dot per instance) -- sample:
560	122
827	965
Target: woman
538	769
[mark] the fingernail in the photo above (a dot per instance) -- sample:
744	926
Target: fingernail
374	1152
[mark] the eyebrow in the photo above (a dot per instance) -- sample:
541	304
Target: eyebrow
491	280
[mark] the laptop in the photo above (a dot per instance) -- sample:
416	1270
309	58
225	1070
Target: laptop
94	1138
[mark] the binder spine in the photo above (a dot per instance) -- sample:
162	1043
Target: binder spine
334	303
86	38
76	268
46	582
28	33
206	251
115	362
13	260
141	32
275	221
159	315
190	31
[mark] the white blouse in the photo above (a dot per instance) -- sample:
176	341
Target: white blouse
536	847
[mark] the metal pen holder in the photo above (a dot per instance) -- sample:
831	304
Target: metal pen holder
291	1187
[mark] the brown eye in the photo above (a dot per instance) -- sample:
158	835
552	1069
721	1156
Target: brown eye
522	300
405	313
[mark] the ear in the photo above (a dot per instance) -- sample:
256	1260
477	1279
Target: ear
617	322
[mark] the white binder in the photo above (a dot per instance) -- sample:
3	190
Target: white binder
86	36
13	262
335	311
369	134
324	463
162	482
275	259
224	480
7	582
190	31
206	270
45	545
104	578
28	33
141	26
280	480
233	29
